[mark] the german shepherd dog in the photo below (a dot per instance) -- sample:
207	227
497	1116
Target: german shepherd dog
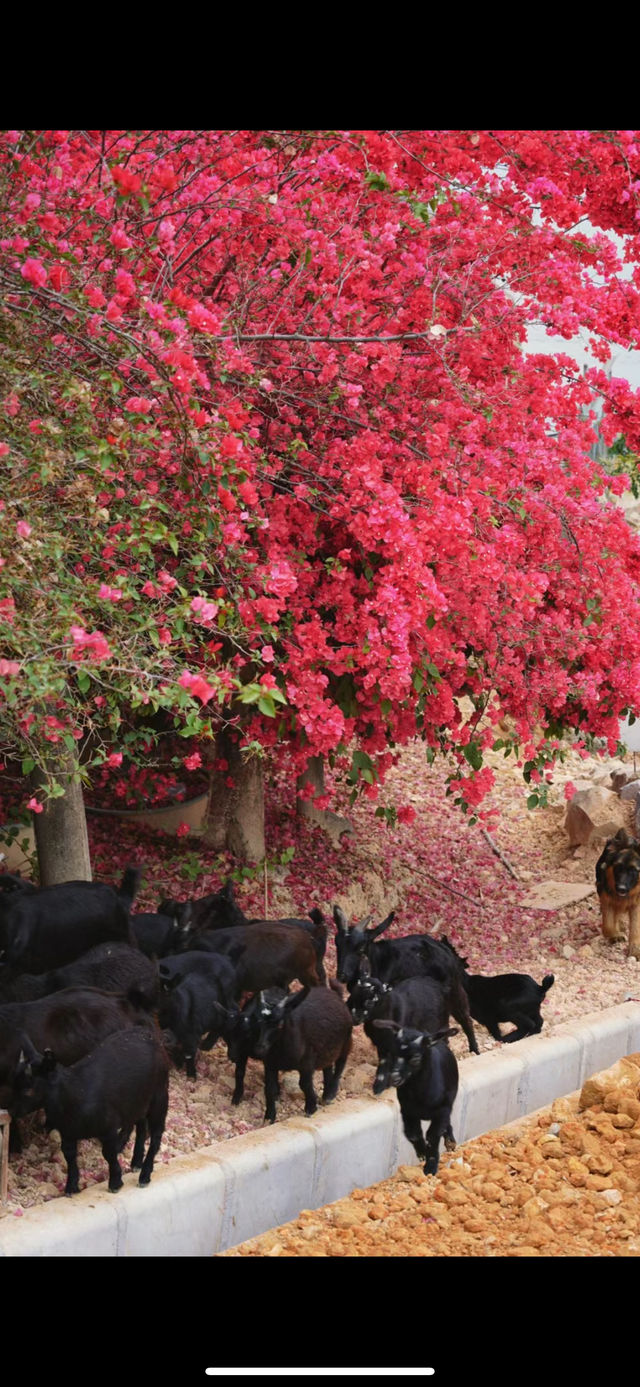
618	886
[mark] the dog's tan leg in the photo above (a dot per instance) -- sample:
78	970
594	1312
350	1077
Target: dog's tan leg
611	923
634	931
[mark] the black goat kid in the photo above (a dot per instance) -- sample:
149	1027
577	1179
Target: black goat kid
307	1030
122	1084
425	1072
513	997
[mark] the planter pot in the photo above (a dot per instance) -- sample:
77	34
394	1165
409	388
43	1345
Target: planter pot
18	855
189	811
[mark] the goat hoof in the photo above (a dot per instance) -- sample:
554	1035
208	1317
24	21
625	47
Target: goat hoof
137	1166
113	1189
450	1144
144	1180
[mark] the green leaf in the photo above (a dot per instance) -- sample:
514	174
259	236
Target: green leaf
532	801
28	765
267	706
473	754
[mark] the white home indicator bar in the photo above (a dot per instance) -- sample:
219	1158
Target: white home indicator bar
320	1372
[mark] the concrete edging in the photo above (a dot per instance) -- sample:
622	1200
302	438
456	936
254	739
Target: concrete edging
234	1190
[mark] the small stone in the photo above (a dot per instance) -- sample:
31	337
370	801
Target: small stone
612	1196
568	951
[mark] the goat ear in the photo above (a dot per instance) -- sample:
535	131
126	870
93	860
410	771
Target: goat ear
340	920
377	929
227	890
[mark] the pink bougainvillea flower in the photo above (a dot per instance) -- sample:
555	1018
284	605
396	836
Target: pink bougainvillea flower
267	654
109	594
4	449
23	529
138	404
34	805
406	814
34	272
115	759
192	762
569	790
9	668
94	642
197	686
182	830
204	611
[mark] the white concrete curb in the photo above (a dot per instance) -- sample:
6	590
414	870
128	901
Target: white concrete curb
234	1190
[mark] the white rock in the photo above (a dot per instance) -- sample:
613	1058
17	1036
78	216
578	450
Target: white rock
568	951
611	1196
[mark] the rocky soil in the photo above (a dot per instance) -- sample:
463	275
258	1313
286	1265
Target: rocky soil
440	873
563	1183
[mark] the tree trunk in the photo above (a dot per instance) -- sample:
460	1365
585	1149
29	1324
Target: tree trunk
61	829
235	814
332	824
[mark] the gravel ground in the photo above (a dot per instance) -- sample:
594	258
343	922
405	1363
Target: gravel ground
563	1183
438	872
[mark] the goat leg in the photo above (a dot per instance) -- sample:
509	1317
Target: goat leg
110	1153
238	1092
524	1027
413	1133
306	1084
70	1153
439	1124
271	1088
459	1006
156	1118
330	1090
138	1150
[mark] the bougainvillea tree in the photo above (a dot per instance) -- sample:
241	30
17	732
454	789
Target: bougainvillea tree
275	458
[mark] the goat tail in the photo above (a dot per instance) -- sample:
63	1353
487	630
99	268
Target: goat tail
547	982
129	885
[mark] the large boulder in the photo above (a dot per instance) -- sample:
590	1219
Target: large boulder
594	813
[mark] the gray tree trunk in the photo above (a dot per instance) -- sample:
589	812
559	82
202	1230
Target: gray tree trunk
61	829
235	814
332	824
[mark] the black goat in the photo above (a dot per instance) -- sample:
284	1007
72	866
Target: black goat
306	1031
392	960
123	1083
71	1023
112	967
265	955
220	910
514	997
46	928
425	1072
419	1002
242	1032
157	935
196	1006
